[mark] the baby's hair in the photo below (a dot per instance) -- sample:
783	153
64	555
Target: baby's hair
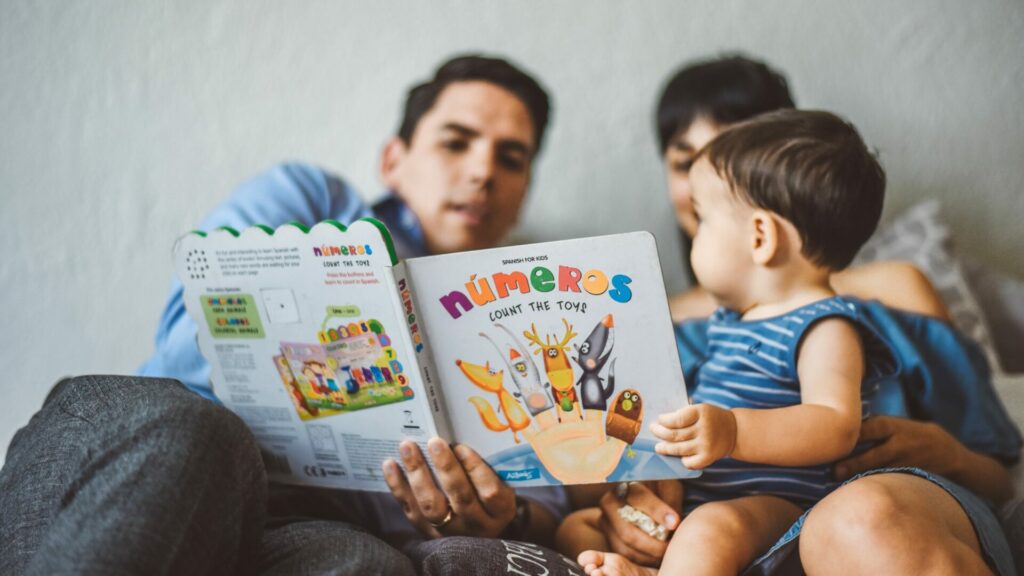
811	168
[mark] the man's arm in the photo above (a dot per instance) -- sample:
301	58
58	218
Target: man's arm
903	442
285	193
823	428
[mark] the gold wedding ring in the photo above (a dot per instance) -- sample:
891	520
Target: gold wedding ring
447	519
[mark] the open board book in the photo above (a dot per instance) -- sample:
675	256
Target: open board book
550	360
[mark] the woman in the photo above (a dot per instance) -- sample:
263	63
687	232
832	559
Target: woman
697	104
921	518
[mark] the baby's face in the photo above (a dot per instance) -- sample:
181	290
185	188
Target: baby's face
721	256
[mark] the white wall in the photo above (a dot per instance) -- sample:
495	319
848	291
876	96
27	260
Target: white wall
122	123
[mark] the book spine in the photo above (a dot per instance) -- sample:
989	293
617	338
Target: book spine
416	340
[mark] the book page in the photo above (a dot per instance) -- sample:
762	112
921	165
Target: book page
555	358
307	344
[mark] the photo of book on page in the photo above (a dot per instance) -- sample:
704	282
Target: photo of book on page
551	360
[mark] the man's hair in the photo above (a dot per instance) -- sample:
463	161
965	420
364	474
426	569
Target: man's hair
811	168
469	68
725	90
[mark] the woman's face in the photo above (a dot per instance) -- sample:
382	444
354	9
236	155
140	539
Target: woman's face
678	160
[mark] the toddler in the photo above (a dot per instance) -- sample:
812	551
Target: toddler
782	202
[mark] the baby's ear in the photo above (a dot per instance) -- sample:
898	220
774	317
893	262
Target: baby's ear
764	237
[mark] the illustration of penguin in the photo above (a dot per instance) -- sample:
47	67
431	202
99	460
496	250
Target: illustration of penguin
591	357
625	417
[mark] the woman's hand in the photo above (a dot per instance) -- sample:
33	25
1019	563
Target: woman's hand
468	498
661	500
926	445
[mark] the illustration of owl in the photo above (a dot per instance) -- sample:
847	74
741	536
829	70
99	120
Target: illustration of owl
625	417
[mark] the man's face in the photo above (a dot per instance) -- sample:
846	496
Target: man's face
466	170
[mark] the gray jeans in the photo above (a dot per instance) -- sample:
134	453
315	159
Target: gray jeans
122	475
126	475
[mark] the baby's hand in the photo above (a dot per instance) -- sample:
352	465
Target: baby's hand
700	433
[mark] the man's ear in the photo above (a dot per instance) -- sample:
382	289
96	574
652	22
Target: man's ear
764	238
391	158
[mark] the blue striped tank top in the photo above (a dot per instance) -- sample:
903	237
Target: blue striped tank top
752	364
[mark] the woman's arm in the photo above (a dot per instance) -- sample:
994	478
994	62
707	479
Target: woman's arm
903	442
694	303
898	285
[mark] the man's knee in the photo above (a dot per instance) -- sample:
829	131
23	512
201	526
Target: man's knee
106	397
895	520
146	416
856	515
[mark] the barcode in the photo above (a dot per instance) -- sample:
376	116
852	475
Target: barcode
275	463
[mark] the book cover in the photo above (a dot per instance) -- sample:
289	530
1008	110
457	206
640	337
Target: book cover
555	358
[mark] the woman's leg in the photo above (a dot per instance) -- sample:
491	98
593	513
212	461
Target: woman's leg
580	531
890	524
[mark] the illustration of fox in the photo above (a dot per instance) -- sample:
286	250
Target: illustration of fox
524	373
488	380
592	355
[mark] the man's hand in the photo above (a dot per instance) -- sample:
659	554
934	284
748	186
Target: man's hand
902	442
700	434
661	500
480	503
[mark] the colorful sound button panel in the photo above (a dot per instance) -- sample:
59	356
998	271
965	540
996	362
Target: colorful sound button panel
233	316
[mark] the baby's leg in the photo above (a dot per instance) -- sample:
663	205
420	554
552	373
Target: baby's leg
580	531
724	537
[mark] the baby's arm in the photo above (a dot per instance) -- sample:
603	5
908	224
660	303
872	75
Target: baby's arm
823	428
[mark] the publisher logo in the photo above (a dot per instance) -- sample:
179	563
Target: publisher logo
520	475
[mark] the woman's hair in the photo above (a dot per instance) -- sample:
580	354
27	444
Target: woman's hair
726	90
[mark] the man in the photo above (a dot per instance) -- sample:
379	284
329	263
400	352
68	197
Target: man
139	475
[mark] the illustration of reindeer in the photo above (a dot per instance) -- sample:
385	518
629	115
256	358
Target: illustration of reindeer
558	368
524	372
